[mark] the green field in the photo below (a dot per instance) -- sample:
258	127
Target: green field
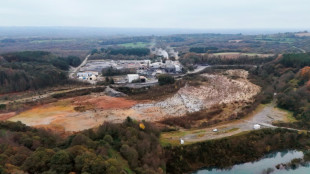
135	45
276	39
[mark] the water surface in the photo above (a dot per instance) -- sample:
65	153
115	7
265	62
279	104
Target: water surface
268	162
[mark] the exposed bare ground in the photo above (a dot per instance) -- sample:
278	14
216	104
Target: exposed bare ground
218	89
6	116
229	87
264	115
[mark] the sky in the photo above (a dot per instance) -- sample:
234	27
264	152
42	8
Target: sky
194	14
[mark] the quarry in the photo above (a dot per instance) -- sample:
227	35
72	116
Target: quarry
83	112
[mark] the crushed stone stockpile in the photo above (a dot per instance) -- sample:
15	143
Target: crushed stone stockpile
219	90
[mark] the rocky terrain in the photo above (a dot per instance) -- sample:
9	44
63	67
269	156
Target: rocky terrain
88	111
219	89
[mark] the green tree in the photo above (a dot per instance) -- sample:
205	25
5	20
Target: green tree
108	139
39	161
130	154
165	79
61	162
89	163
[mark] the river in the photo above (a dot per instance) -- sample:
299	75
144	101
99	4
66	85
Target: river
263	166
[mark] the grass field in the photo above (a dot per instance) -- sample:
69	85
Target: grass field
290	117
135	45
276	39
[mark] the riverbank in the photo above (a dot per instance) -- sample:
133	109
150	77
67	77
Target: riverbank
237	149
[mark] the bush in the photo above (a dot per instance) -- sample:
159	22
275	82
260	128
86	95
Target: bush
2	106
165	79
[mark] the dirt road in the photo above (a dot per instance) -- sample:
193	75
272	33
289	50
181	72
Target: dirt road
37	97
73	70
264	115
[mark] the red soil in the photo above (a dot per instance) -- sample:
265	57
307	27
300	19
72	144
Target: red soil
6	116
105	102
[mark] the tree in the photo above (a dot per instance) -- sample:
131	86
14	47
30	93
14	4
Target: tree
39	161
108	139
73	61
94	51
89	163
130	154
61	162
165	79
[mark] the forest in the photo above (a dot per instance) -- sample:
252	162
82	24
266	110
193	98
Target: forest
202	49
289	80
33	70
121	53
130	147
191	59
124	40
111	148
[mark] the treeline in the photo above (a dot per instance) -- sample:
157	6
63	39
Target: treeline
229	151
33	70
202	49
110	149
115	72
44	58
125	40
293	87
191	59
296	60
123	51
289	79
130	51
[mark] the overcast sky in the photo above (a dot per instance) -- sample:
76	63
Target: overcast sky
202	14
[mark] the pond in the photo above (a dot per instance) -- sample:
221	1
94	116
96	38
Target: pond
263	166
